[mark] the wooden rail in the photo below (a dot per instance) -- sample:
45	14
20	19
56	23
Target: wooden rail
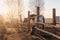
48	33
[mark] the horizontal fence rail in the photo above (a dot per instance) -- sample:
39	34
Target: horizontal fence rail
47	33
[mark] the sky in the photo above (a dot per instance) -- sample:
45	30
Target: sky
3	8
48	6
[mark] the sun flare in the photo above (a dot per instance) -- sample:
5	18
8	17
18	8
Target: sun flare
3	8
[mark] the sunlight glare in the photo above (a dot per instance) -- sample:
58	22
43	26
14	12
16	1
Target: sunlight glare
3	8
